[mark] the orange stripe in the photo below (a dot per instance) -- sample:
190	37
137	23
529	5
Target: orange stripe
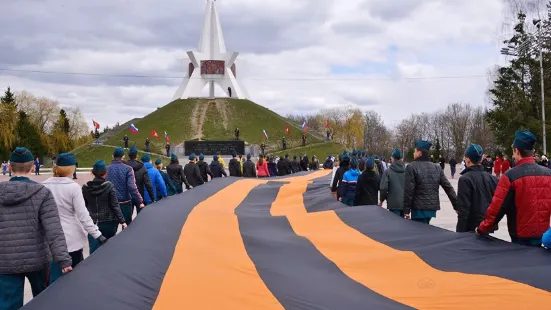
400	275
210	268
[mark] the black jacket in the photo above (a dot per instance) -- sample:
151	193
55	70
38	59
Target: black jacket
177	175
474	194
422	185
235	168
272	168
295	166
142	177
284	167
249	169
314	165
304	163
216	169
367	189
328	164
101	201
205	170
193	174
337	180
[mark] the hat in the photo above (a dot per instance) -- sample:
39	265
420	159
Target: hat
474	152
66	160
158	162
396	154
345	156
524	140
369	163
146	158
133	151
201	156
99	166
423	145
295	157
233	153
354	153
215	157
191	156
249	156
21	155
354	163
118	152
173	157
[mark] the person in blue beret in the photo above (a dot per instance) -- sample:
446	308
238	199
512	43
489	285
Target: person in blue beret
141	176
176	173
422	183
474	191
192	172
157	182
349	182
75	218
523	195
344	166
392	184
216	168
235	166
367	188
171	189
204	168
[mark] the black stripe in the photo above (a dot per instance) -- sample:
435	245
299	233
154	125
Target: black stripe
297	274
450	251
127	272
315	197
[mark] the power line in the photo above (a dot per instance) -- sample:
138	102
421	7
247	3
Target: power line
260	79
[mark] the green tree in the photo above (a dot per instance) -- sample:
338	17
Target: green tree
60	135
437	149
28	136
8	113
515	94
9	98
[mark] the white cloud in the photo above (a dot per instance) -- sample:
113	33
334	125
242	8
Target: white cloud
288	49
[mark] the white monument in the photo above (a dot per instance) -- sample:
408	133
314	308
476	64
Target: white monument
211	63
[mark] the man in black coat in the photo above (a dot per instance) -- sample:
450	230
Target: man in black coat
304	163
167	148
344	165
249	168
204	168
474	192
216	169
328	164
295	165
367	188
192	172
284	166
140	174
125	139
422	185
284	143
235	166
176	174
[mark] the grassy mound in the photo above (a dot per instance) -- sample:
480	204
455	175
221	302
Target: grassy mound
321	150
203	119
89	154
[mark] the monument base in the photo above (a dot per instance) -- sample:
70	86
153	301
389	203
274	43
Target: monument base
214	147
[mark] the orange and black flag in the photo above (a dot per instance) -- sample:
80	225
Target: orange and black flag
285	243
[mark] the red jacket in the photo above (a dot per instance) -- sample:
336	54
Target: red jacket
497	166
262	170
524	195
505	165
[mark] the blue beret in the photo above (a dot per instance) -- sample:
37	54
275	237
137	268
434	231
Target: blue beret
249	156
423	145
146	158
99	166
354	153
192	156
524	140
375	157
21	155
201	156
354	163
345	156
66	160
158	162
474	152
369	163
173	157
233	153
118	152
133	151
546	239
396	154
215	157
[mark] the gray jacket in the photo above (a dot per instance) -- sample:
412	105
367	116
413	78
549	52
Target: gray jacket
30	229
392	186
422	186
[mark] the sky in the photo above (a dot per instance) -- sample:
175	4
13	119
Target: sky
396	57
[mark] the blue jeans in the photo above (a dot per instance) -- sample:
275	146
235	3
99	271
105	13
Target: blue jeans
12	287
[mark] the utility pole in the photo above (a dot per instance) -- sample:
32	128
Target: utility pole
538	24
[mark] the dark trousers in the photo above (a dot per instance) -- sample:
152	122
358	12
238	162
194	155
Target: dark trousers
397	212
528	241
55	269
37	171
108	230
125	144
127	209
12	287
179	188
423	220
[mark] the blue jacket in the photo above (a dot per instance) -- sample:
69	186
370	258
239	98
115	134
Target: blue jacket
122	177
157	182
349	181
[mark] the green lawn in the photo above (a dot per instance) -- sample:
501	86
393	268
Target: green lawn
88	155
321	150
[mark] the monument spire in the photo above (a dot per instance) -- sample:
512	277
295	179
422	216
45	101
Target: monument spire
212	63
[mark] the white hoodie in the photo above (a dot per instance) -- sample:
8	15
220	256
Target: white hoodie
75	219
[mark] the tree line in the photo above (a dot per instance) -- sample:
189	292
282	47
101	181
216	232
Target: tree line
40	124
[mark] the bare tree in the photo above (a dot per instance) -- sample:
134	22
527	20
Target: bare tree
458	120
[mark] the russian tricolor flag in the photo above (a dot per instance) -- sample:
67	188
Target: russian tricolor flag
304	126
265	133
134	129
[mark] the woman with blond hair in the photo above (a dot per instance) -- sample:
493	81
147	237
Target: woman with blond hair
75	219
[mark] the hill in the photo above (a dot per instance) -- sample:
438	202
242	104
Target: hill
321	150
205	119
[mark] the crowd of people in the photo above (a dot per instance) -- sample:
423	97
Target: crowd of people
521	191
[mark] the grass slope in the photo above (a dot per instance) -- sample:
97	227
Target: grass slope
321	150
88	155
181	120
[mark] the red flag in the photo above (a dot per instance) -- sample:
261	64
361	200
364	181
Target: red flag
154	134
327	124
96	125
287	131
